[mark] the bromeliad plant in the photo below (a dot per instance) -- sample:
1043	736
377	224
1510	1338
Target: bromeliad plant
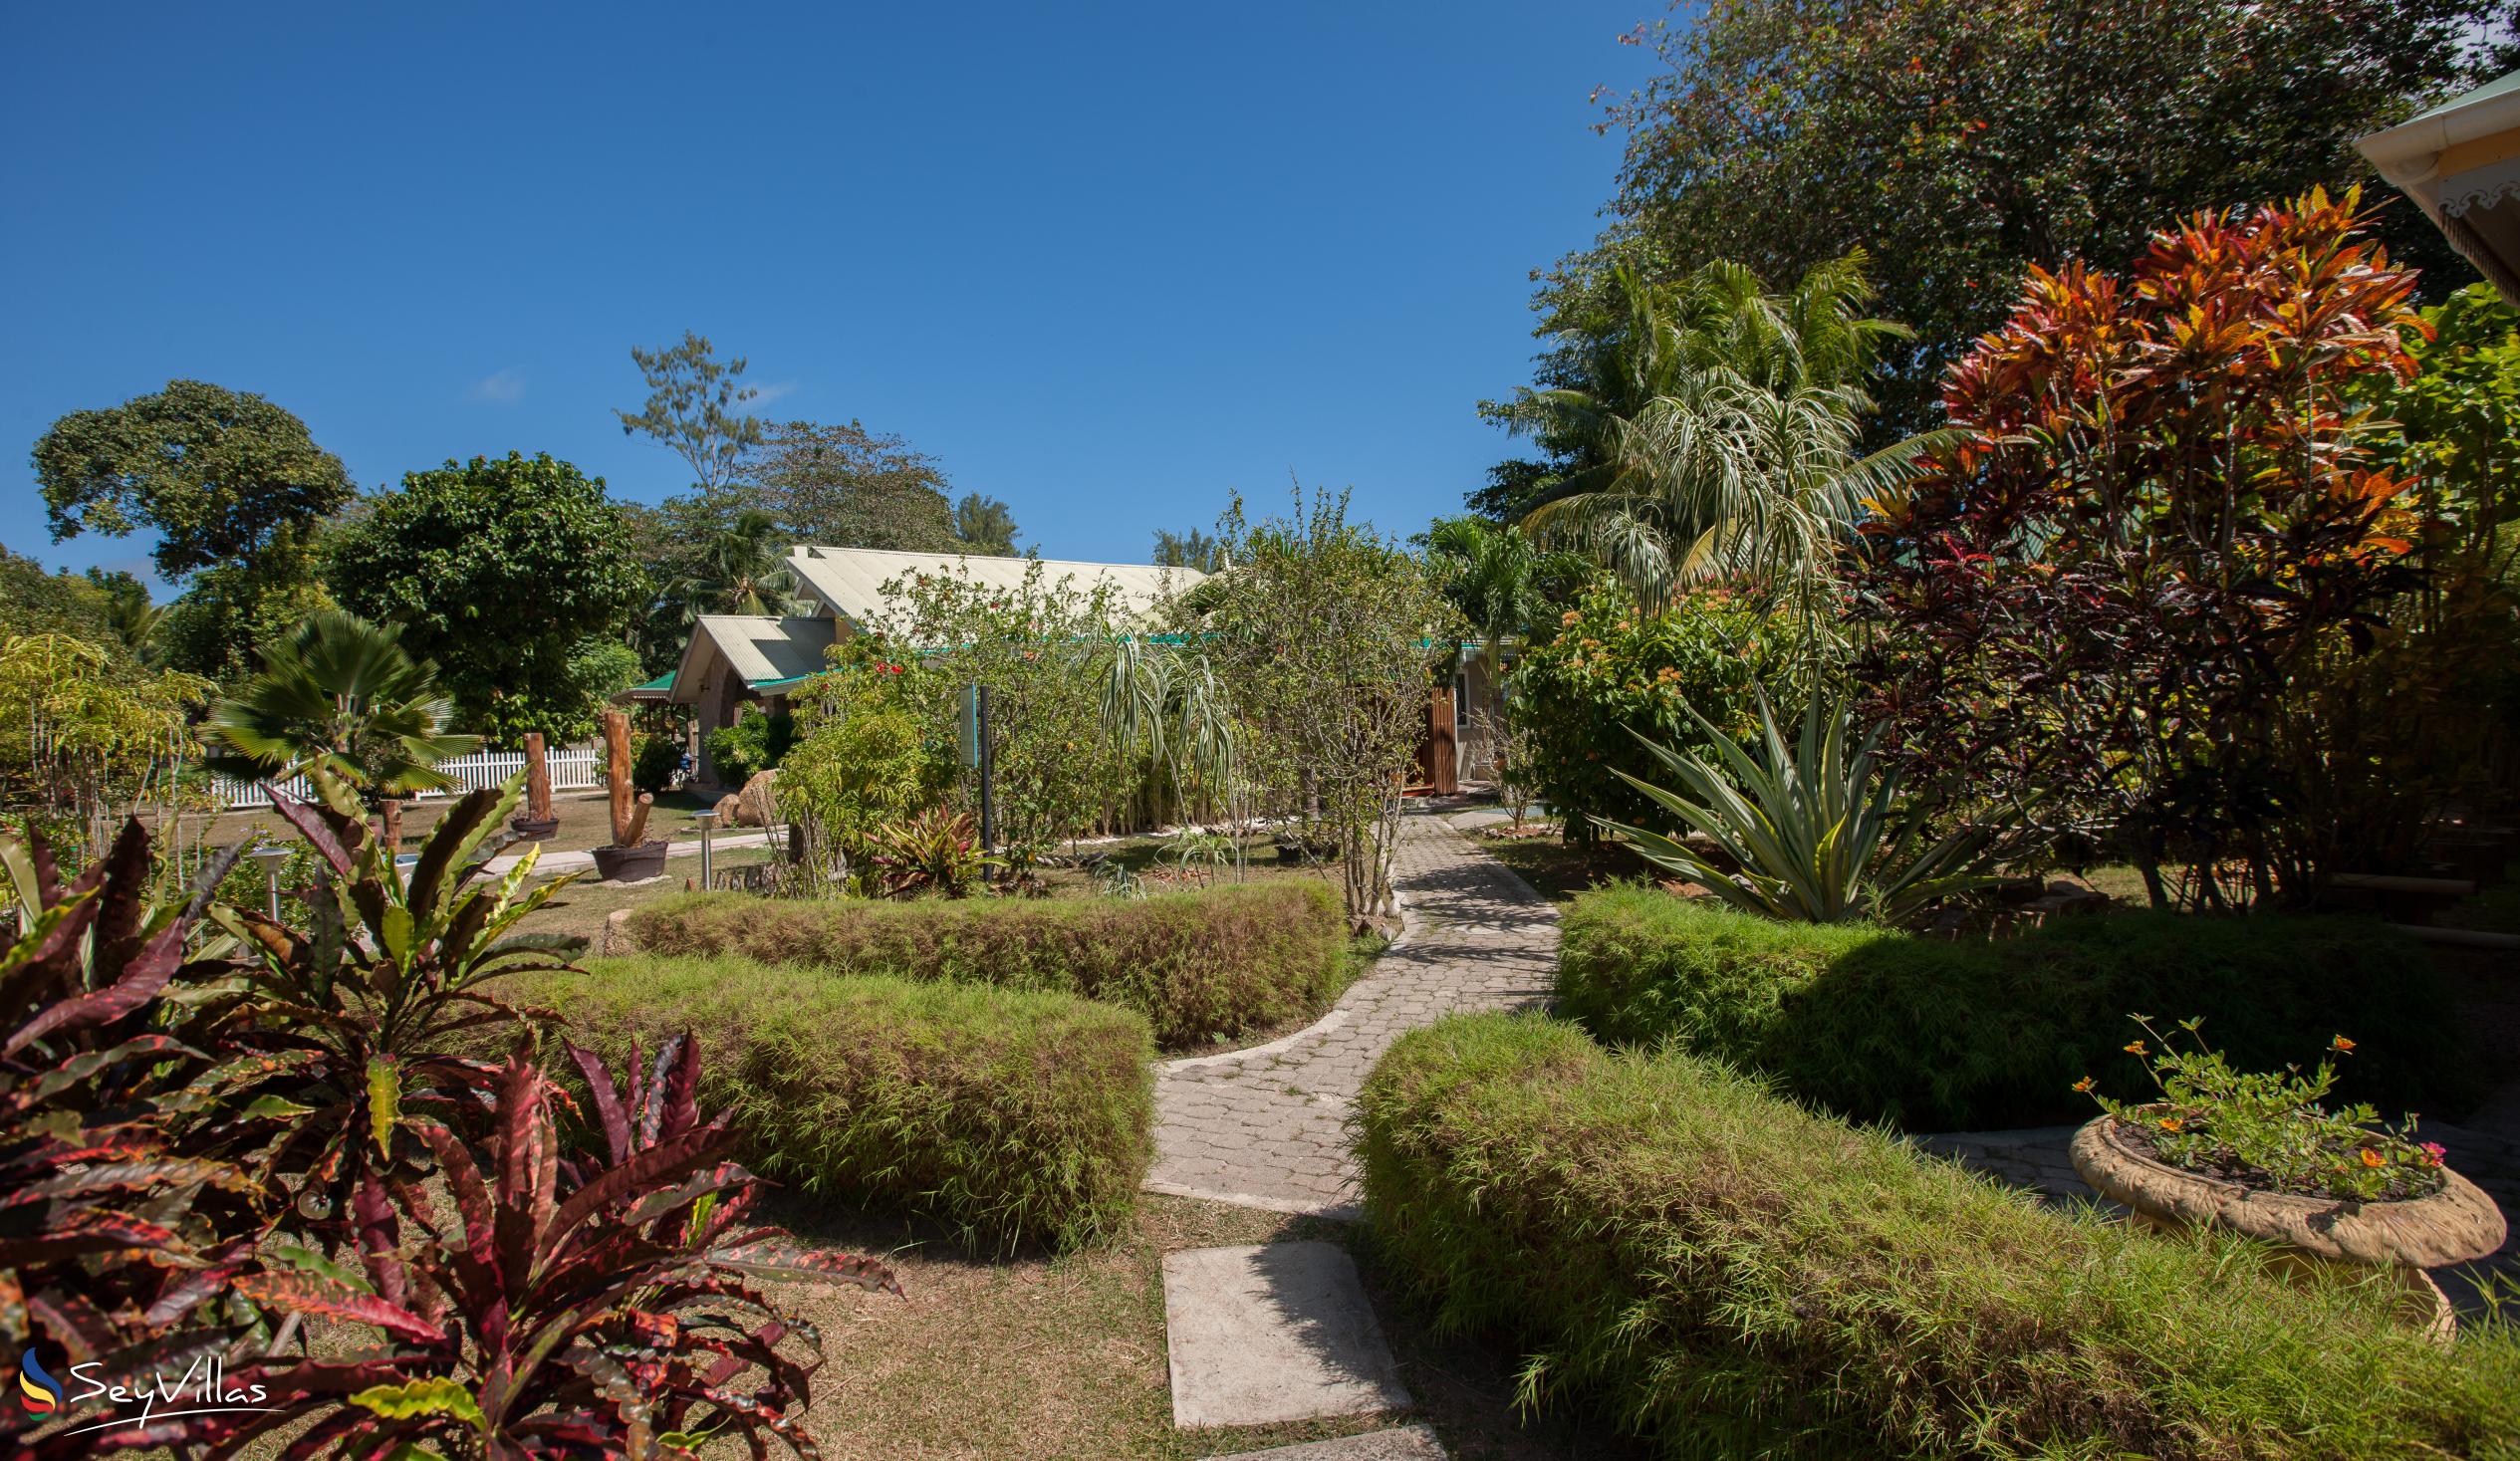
360	1021
937	852
2266	1129
592	1302
1815	836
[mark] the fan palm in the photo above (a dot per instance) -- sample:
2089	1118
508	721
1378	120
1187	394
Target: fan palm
1497	577
342	694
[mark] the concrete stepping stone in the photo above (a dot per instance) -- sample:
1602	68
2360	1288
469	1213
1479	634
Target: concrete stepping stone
1272	1333
1408	1443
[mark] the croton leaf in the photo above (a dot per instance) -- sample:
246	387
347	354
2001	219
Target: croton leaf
431	1397
312	1293
770	1258
385	1101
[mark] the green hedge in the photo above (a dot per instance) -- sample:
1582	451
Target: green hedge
1932	1034
1015	1116
1701	1262
1199	965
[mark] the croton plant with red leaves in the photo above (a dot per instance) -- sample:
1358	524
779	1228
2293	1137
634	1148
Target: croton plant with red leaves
229	1138
2157	515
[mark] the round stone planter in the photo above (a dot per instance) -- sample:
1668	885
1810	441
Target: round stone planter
631	864
534	830
2453	1225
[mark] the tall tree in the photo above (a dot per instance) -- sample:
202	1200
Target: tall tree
850	487
695	406
1501	581
222	476
502	570
741	571
1962	139
985	525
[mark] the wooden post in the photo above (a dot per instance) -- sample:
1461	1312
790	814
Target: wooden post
537	778
389	825
630	807
1443	751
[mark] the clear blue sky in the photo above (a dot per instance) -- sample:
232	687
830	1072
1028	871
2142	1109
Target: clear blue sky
1104	262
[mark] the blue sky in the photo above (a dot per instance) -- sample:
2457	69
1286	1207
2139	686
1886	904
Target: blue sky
1106	263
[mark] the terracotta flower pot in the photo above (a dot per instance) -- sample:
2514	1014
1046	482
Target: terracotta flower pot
631	864
2454	1224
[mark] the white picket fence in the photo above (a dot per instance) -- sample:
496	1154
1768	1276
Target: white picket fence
575	769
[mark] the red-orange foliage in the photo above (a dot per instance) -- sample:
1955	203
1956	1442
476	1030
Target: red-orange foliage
2159	515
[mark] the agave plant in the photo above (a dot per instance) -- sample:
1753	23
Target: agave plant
115	1241
362	1020
1815	835
597	1305
935	851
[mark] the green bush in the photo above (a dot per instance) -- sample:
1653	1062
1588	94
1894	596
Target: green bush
1198	965
1705	1264
654	761
757	741
1014	1116
1929	1034
1612	668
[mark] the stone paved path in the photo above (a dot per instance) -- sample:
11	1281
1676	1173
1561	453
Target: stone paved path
1267	1126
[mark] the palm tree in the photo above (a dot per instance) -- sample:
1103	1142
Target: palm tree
343	695
1497	577
742	571
1733	449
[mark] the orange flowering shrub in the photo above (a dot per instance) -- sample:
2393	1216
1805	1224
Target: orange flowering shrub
2159	515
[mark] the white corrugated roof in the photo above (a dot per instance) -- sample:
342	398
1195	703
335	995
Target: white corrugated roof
763	649
849	581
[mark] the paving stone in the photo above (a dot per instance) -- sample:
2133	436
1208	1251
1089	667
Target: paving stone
1266	1127
1408	1443
1272	1332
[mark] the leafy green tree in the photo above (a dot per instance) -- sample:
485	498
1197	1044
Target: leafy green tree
213	626
985	525
33	602
848	487
223	477
502	570
1191	550
343	695
695	406
1962	139
741	571
133	615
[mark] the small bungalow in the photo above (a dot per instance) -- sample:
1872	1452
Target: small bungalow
735	658
2460	162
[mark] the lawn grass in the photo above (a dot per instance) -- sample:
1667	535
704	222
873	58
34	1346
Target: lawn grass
586	821
1063	1358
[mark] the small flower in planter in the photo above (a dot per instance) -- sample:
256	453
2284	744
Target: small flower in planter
2266	1129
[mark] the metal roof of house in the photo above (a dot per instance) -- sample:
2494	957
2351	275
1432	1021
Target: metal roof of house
849	581
765	649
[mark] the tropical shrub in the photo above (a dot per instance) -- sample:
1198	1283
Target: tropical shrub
937	852
116	1240
1809	835
1613	673
1198	965
587	1302
1691	1258
758	741
865	755
1325	638
655	760
2159	516
85	736
1933	1035
1014	1116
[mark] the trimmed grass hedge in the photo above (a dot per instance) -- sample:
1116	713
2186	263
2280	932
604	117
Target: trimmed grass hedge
1936	1034
1712	1266
1199	965
1015	1116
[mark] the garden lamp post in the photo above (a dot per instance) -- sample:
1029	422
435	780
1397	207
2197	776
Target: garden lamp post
270	857
704	821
